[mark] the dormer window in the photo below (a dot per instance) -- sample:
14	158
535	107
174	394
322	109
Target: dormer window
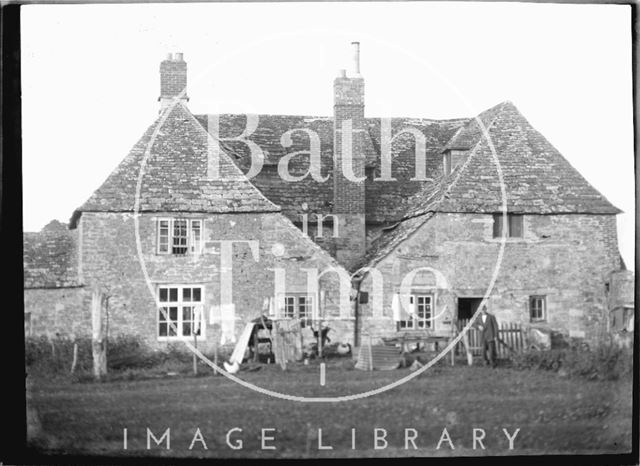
446	163
179	236
451	158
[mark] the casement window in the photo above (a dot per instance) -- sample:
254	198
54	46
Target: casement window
537	308
514	225
180	311
179	236
299	306
422	306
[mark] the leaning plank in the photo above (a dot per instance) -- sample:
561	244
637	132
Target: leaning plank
241	345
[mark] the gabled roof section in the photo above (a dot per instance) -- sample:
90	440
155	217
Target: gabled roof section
50	257
290	196
537	178
468	135
175	174
383	198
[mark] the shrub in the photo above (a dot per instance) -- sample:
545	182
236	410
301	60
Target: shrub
605	362
54	356
130	352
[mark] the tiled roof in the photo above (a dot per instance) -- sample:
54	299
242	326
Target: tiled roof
469	135
537	179
49	257
175	175
383	198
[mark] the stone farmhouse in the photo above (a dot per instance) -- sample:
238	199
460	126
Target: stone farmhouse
177	250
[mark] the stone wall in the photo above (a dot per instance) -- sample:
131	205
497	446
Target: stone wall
56	311
563	257
110	260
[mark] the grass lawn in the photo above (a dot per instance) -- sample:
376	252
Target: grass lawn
554	414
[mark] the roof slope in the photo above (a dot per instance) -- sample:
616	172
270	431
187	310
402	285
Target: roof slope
49	257
383	199
175	174
537	179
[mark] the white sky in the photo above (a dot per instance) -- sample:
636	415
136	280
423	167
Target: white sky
90	78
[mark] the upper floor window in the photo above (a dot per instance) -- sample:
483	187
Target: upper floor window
179	236
514	225
537	308
421	312
180	313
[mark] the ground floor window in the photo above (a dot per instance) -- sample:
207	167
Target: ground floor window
180	311
538	308
421	311
299	306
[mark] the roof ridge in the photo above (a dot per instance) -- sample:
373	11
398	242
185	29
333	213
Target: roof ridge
331	117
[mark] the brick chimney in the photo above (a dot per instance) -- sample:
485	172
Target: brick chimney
173	80
349	195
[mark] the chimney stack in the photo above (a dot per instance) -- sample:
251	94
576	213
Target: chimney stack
173	80
356	59
349	195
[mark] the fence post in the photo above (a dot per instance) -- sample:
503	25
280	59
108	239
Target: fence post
75	357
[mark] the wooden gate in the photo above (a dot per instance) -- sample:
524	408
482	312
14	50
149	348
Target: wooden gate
510	339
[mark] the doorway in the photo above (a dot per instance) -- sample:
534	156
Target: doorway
467	307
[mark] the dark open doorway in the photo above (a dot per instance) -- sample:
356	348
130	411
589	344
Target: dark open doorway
467	307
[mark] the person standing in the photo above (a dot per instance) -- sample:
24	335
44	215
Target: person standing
488	327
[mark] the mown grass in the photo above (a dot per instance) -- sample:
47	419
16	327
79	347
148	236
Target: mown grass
555	413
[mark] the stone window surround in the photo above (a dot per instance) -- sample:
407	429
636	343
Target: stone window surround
190	238
525	238
543	300
180	304
510	216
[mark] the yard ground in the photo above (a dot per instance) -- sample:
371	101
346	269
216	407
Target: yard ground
555	414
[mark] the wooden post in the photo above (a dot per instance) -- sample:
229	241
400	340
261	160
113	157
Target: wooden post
195	345
106	330
320	339
465	342
98	341
75	357
255	344
215	357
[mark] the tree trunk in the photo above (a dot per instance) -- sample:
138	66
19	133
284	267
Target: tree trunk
98	343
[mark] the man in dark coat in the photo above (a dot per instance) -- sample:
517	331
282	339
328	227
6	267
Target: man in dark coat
488	327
